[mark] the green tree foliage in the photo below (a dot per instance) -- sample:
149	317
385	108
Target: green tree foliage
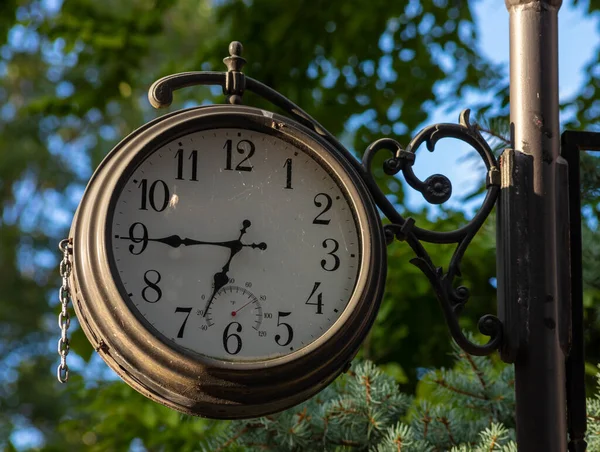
73	81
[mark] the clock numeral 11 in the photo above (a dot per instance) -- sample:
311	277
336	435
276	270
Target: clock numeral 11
194	158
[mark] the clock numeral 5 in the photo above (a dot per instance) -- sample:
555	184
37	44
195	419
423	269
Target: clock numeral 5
319	302
194	158
290	331
243	147
182	329
151	292
149	196
328	204
238	339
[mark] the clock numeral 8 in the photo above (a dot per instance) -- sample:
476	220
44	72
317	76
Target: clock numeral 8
151	286
227	336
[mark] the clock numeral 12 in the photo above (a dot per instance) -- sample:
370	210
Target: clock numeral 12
242	147
149	196
194	158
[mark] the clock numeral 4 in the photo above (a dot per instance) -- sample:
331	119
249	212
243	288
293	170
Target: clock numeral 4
319	302
318	202
336	259
290	331
149	196
194	158
151	292
236	337
243	147
185	310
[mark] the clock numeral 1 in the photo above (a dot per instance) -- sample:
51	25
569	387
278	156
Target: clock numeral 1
151	287
319	302
328	201
336	259
182	329
243	147
194	158
290	331
288	175
149	196
238	339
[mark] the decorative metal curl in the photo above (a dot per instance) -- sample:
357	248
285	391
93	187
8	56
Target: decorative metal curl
436	189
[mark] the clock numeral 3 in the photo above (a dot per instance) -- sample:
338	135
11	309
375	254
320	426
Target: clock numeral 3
194	158
336	261
319	302
133	237
318	203
290	331
182	329
243	147
238	339
152	287
150	195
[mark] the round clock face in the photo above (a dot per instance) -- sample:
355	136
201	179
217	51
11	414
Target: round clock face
235	244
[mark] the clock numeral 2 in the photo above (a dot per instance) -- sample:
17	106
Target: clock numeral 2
319	302
152	287
243	147
182	329
289	330
318	203
150	195
194	158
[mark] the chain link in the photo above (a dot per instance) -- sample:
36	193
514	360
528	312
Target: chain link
64	319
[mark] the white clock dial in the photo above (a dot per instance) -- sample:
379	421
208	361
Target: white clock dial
236	244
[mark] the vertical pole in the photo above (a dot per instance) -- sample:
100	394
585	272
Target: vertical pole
533	256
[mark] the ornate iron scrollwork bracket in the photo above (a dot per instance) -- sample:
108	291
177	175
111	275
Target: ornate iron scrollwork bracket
436	189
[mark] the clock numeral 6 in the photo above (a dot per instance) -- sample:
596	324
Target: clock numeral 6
336	259
149	195
319	302
238	339
290	331
243	147
328	204
151	292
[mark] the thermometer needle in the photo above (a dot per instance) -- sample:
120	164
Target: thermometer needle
233	313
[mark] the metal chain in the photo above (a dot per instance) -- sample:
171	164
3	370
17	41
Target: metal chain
64	319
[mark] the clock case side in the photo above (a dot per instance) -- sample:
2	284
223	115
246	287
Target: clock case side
174	376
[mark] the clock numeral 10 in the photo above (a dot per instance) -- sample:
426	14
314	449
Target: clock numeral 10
243	147
149	196
194	158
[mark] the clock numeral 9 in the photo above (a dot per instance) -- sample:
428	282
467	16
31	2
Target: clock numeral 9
290	331
238	339
318	203
151	292
336	259
193	157
243	147
319	302
135	239
150	195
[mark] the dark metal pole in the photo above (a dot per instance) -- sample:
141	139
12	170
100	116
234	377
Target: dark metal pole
533	231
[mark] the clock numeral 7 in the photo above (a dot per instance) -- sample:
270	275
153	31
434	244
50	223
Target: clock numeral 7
182	329
243	147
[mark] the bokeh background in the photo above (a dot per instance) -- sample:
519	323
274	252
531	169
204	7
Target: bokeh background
73	81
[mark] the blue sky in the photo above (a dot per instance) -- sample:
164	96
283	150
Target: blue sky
579	39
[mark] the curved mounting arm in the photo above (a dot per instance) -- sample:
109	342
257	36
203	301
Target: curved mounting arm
436	189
